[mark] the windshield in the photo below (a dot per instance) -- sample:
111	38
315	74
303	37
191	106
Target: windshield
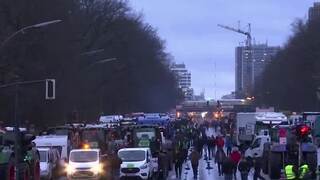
83	156
43	156
58	131
92	135
148	133
131	156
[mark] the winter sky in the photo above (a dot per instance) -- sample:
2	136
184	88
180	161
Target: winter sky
190	30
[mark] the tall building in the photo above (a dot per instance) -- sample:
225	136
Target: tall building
184	79
250	64
314	12
243	71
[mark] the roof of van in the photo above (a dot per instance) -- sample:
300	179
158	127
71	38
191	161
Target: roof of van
134	149
43	149
80	150
51	140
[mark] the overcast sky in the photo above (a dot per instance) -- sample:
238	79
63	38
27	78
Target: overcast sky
190	30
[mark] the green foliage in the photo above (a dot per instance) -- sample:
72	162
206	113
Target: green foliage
290	82
139	80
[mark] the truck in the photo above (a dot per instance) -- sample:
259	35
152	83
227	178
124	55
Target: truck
28	159
254	123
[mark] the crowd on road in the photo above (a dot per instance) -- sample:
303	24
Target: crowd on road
228	157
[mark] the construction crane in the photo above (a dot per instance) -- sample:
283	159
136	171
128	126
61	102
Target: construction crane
247	33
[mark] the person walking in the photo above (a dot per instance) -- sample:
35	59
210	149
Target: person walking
210	145
244	168
257	169
115	166
227	168
235	157
195	157
304	172
178	161
290	170
219	158
228	144
219	142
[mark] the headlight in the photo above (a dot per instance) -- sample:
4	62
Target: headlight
97	169
145	166
70	169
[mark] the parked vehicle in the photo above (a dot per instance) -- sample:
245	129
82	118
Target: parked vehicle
59	142
250	124
49	162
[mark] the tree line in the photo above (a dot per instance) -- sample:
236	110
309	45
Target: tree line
104	57
291	80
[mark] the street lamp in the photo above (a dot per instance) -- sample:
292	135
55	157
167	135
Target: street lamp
17	145
102	62
26	28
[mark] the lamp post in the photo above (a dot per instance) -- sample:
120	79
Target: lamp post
17	147
22	30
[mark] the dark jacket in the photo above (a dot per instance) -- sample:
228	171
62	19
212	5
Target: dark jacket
194	157
228	166
257	166
244	166
220	156
178	157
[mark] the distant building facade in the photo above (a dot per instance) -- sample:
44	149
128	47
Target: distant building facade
232	95
314	12
200	97
250	64
183	77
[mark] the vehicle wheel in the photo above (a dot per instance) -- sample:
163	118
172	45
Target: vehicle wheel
275	165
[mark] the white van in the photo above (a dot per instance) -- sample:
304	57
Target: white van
257	146
59	142
49	159
136	162
84	164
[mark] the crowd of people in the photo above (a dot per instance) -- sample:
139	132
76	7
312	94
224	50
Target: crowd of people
228	157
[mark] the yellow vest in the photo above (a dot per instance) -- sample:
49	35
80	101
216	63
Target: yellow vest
304	169
289	172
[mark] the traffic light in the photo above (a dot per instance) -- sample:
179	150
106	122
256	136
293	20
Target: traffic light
303	131
50	89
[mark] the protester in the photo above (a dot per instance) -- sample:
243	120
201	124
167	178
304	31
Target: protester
115	166
290	170
219	158
195	157
211	147
228	168
219	142
244	168
228	144
178	161
257	169
304	172
235	157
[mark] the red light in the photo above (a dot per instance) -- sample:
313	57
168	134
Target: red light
304	130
